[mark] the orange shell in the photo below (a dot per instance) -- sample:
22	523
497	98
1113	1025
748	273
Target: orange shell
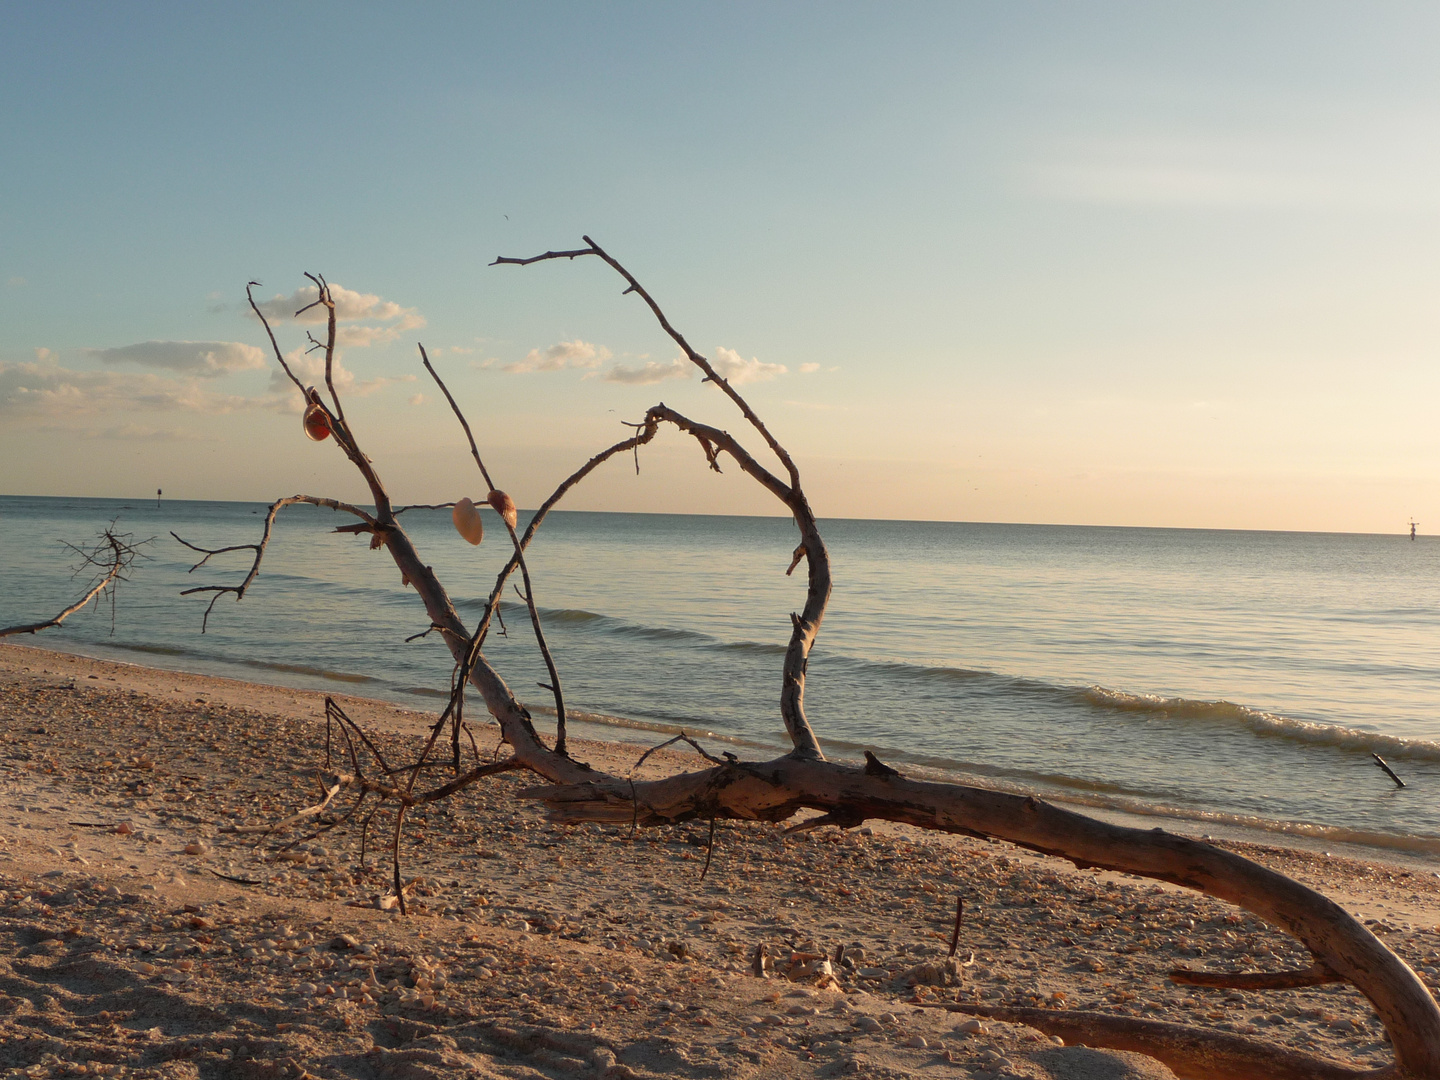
505	507
317	424
467	521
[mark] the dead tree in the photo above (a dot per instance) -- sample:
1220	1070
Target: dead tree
108	561
846	795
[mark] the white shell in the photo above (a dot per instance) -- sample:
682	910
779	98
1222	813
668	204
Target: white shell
467	521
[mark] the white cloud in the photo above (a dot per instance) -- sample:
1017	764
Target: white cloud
16	282
809	369
204	358
49	392
46	356
565	354
360	337
649	373
309	368
350	307
417	399
740	371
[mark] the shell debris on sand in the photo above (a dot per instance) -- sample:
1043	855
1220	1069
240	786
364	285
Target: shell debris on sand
559	950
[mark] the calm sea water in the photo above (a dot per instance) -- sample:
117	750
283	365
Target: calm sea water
1230	677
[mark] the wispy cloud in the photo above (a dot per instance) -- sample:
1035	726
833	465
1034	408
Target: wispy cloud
649	373
1184	172
809	369
206	359
739	371
564	354
145	433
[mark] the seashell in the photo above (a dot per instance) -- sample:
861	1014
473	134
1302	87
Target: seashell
317	423
467	521
504	506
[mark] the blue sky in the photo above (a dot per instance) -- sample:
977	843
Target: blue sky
1103	263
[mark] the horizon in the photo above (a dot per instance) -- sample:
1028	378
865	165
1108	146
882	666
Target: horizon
1402	534
1119	266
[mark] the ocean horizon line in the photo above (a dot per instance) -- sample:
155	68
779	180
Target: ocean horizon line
1399	534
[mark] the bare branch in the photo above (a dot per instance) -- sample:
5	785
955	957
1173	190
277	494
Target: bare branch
1317	974
711	375
259	548
524	570
112	556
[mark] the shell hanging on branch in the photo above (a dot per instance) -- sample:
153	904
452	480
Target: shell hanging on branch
317	423
467	521
505	507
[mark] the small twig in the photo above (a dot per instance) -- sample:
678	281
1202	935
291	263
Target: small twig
709	849
236	880
955	935
1380	761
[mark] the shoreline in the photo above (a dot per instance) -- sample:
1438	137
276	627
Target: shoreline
1409	853
119	783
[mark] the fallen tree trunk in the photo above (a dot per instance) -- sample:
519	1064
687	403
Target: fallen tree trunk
848	795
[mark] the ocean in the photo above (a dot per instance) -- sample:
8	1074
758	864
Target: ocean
1231	679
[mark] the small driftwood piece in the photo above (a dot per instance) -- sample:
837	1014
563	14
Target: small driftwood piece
109	560
1380	761
847	795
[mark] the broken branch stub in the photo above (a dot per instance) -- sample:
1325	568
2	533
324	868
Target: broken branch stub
847	795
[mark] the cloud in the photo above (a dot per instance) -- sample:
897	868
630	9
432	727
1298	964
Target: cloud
566	354
360	337
46	356
309	368
809	369
206	359
47	391
350	307
417	399
739	371
16	282
649	373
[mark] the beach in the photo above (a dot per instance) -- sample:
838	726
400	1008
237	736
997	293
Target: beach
143	936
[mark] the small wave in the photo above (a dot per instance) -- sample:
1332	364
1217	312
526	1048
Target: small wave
158	650
759	647
1337	834
570	616
694	730
424	691
306	669
1262	723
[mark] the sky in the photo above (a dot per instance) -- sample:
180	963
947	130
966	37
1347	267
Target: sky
1103	263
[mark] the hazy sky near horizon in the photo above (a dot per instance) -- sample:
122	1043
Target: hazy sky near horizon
1094	263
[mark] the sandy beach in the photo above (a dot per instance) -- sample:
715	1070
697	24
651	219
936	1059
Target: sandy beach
142	936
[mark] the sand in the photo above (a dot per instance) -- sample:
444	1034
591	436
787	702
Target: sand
535	951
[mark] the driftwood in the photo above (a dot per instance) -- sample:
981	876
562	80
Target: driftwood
845	795
109	560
